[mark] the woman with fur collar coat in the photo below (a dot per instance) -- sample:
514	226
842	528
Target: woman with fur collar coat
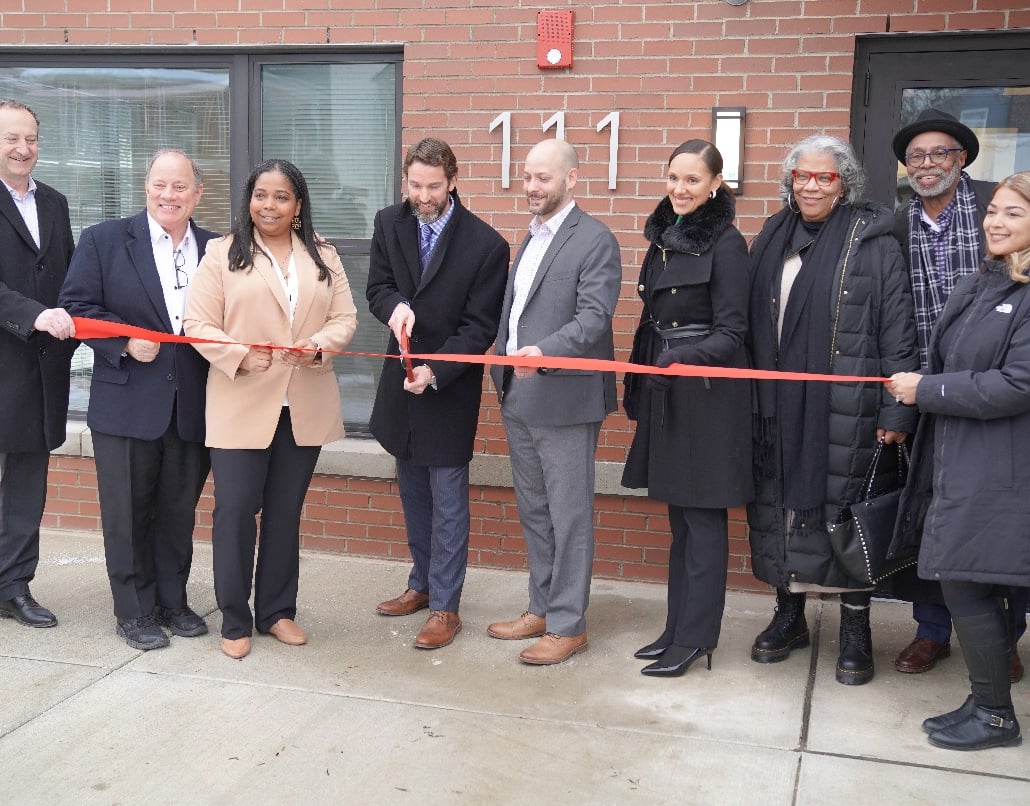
692	447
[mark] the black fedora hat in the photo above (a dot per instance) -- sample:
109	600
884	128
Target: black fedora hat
934	120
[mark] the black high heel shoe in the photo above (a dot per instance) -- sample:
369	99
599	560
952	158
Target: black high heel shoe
676	660
653	650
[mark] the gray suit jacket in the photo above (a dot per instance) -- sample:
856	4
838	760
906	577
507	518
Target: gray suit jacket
568	313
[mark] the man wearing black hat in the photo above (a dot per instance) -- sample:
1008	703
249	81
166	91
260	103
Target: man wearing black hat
941	235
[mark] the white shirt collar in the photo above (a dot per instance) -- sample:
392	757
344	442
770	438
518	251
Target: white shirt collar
14	193
553	224
157	233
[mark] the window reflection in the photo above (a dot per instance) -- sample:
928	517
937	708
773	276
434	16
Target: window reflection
999	116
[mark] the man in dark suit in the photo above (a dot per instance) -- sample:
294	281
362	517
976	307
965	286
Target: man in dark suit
35	354
146	405
559	301
436	275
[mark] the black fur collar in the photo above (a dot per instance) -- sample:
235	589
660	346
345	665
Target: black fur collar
697	231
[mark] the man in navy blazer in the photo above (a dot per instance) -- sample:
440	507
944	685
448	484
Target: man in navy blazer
35	354
436	274
559	301
146	406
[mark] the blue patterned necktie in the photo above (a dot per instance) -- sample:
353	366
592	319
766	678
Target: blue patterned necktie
425	245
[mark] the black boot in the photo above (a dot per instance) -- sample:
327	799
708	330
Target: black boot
855	663
992	723
950	718
787	631
985	727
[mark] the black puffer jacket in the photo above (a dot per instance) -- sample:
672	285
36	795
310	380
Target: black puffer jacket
976	404
873	334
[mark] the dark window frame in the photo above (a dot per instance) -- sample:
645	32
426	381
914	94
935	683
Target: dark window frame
244	64
886	64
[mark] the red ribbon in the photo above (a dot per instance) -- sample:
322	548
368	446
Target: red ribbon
97	329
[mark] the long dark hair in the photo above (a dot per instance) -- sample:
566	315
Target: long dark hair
242	248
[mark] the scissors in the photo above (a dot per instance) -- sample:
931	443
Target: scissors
409	370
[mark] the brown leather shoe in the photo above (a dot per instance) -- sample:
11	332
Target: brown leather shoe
404	605
439	630
1015	667
528	625
286	631
553	648
921	656
236	648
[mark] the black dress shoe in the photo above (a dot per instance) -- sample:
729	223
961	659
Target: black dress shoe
676	660
181	621
653	650
26	610
142	633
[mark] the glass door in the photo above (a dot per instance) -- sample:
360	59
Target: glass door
982	79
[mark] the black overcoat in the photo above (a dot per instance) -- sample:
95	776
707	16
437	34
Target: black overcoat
457	305
34	366
692	445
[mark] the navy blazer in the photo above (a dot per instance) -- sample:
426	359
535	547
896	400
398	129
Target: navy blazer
113	278
35	365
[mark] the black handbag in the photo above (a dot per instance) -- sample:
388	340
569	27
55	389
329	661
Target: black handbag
861	535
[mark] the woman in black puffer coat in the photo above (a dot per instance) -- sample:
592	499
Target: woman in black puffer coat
969	498
692	447
829	295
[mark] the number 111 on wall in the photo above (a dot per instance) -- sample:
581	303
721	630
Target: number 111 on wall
557	120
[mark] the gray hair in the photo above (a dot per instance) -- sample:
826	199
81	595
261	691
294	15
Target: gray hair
852	174
10	103
197	178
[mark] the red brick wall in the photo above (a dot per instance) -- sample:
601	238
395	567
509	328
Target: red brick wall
662	65
362	516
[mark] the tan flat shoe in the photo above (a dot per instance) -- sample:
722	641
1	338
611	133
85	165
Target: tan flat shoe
287	631
236	648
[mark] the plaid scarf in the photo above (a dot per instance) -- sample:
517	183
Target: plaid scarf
938	260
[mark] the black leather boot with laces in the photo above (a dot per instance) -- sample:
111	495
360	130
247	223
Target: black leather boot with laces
787	631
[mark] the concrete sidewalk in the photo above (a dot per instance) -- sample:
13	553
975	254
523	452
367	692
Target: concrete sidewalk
360	716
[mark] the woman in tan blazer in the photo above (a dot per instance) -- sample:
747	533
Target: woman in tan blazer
277	299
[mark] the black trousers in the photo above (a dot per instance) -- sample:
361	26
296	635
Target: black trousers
22	498
697	575
149	490
272	481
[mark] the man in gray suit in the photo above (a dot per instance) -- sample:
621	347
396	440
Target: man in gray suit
559	301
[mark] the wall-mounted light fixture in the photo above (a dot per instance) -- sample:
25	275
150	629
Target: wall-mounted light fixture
728	136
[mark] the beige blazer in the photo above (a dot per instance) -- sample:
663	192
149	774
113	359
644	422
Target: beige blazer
250	307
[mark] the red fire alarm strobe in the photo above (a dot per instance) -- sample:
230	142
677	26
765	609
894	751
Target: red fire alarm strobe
553	39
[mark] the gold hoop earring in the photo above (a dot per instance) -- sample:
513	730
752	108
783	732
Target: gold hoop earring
296	223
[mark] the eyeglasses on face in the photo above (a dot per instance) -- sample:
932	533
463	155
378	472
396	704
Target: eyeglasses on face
823	178
915	159
182	279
